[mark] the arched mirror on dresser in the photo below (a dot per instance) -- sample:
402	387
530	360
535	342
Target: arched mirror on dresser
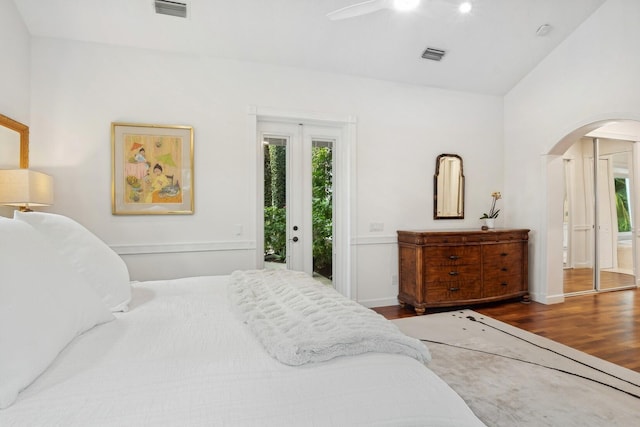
448	188
14	144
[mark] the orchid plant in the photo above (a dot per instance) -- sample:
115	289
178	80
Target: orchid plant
493	212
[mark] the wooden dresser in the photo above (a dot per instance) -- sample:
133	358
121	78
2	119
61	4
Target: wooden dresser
460	267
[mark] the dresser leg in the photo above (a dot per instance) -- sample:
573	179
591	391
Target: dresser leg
419	310
526	299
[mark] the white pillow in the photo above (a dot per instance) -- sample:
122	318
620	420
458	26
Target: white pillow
44	304
93	259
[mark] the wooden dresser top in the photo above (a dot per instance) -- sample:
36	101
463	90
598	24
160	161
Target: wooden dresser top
421	237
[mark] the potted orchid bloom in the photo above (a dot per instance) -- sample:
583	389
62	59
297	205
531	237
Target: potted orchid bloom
489	218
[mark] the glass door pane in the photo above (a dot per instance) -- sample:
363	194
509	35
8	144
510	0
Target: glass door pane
322	209
275	202
578	218
615	242
288	214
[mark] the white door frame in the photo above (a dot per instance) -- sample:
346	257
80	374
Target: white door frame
607	231
344	274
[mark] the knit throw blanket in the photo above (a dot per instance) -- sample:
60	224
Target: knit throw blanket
299	320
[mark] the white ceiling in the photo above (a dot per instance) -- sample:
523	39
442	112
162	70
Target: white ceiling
625	130
488	51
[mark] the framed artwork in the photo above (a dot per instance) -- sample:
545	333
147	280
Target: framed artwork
152	169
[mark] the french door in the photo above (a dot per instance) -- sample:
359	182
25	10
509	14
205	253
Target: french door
298	206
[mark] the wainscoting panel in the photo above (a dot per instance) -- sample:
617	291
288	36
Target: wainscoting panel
377	264
165	248
175	260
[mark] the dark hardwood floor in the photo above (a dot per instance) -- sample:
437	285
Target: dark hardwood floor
605	325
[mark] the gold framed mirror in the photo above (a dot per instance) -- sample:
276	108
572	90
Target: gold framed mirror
448	188
14	139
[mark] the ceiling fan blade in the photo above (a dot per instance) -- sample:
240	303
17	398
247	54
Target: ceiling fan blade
358	9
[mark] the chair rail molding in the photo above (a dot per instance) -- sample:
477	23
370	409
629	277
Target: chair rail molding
167	248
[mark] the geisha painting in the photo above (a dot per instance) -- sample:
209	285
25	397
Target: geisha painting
153	169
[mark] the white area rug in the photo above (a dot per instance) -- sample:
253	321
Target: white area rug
503	391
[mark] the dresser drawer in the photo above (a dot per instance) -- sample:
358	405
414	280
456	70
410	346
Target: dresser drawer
452	273
498	272
454	291
502	254
502	269
502	285
452	255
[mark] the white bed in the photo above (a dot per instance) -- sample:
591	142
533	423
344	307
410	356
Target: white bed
181	356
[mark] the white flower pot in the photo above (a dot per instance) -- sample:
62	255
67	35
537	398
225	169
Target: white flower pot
490	222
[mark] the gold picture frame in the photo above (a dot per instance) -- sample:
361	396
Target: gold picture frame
21	132
152	169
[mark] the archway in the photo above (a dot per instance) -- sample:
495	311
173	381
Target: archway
622	128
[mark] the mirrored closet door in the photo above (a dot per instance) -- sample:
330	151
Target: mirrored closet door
598	216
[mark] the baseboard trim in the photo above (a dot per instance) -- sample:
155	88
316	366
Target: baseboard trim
379	302
375	240
547	299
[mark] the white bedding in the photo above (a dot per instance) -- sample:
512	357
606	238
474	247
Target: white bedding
180	357
300	321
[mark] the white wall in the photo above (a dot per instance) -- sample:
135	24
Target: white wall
14	72
78	89
593	76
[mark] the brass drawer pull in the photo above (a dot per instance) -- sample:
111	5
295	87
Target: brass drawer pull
453	273
504	284
504	254
454	289
504	269
454	257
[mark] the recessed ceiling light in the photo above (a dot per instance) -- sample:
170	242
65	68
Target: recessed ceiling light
404	5
465	7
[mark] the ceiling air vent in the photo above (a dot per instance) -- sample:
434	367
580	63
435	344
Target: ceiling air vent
433	54
173	8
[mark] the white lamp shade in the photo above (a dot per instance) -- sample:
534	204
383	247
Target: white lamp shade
24	187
